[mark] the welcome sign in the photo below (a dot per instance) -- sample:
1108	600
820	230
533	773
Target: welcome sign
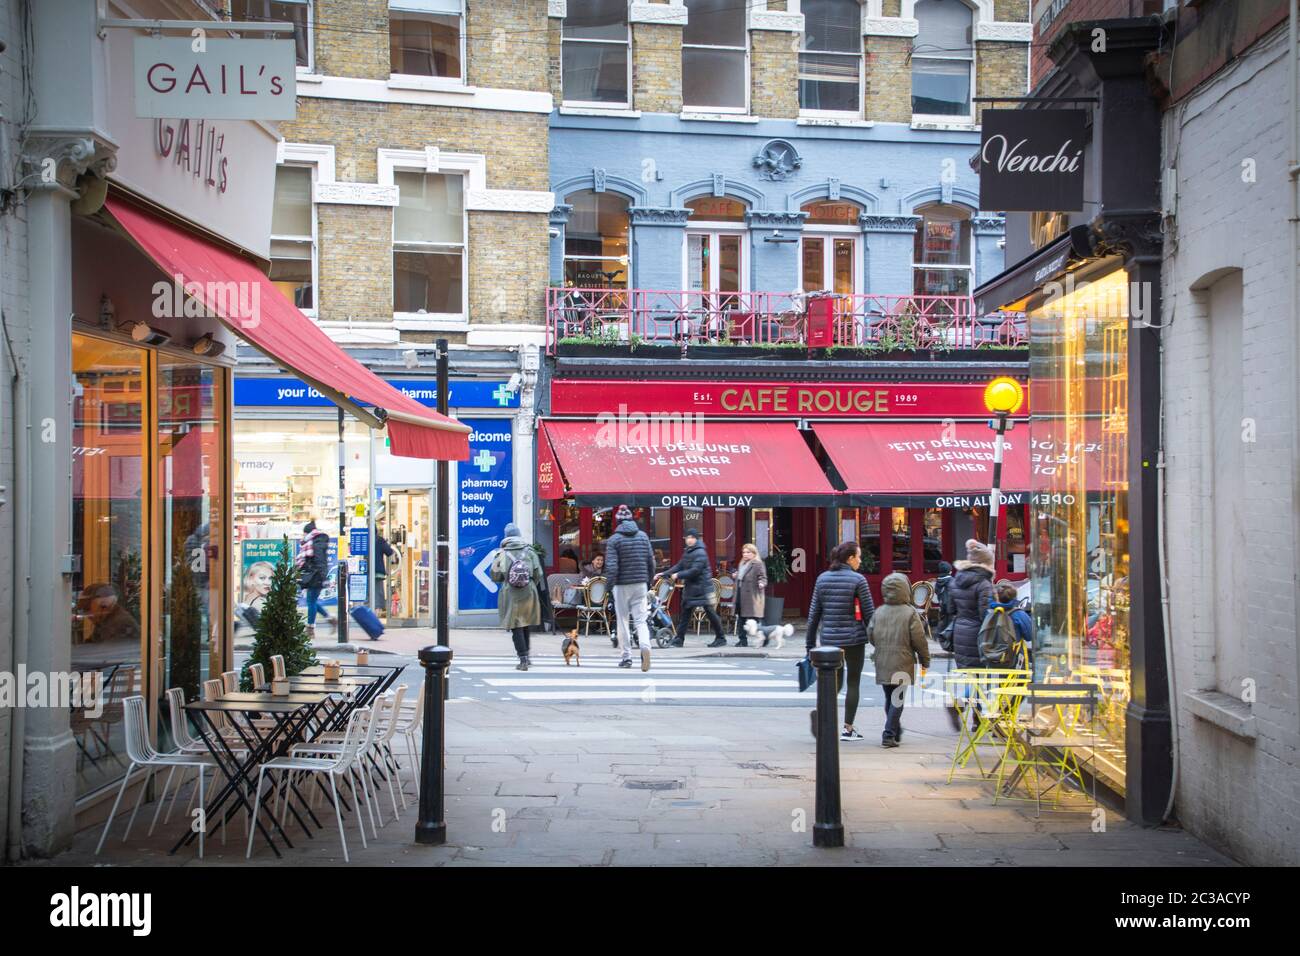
1032	160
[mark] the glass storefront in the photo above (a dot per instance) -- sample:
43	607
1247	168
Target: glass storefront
147	530
1078	553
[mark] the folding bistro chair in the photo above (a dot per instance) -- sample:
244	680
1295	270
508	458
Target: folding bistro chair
981	696
594	597
1061	722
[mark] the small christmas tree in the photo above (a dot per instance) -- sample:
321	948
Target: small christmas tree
280	628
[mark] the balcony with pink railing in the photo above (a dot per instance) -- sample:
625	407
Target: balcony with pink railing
870	323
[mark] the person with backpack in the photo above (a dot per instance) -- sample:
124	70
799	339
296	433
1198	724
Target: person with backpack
518	569
969	595
313	563
839	614
630	569
1007	603
897	633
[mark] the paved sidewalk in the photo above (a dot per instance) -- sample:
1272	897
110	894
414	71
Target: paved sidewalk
632	784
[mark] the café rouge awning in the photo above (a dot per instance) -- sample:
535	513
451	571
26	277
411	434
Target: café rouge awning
260	315
716	465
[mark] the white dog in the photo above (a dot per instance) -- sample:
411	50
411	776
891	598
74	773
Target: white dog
778	632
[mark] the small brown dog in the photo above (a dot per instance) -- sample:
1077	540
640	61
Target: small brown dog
569	648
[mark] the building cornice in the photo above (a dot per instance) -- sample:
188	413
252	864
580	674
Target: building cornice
659	216
774	219
664	14
873	223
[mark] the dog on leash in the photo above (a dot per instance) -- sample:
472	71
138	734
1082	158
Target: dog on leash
777	632
569	648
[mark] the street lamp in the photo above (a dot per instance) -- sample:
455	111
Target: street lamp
1003	396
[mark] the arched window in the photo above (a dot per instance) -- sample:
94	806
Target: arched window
941	258
943	58
594	52
596	241
830	57
715	46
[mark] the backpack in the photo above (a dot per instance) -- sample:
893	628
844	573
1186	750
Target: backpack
997	639
520	574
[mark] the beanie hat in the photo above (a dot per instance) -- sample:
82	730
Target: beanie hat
979	554
691	533
624	513
512	531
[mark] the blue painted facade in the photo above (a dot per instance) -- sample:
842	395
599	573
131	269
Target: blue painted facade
660	161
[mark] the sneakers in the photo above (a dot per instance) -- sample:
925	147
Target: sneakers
719	642
848	734
627	662
645	659
681	643
888	742
522	665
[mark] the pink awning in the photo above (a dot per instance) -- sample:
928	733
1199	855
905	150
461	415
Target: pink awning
264	318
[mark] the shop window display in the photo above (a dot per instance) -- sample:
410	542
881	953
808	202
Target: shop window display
1078	559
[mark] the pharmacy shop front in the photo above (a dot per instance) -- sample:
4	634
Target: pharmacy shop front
286	473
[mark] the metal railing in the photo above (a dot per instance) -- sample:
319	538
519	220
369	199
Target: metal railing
685	317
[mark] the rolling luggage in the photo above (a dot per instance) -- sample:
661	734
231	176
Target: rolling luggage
367	621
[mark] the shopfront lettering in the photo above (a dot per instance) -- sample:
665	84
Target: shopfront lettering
196	147
777	400
706	501
233	79
1010	159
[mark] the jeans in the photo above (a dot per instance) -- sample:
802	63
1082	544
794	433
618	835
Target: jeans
630	612
381	593
894	695
855	656
521	639
313	606
709	612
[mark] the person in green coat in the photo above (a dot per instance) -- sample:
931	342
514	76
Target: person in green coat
518	605
898	636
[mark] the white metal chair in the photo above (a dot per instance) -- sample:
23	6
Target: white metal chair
387	710
277	666
410	716
187	743
257	673
142	755
230	681
339	765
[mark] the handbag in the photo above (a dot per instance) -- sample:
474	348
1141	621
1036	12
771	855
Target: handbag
806	673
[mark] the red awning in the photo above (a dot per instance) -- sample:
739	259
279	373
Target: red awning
711	464
260	315
918	464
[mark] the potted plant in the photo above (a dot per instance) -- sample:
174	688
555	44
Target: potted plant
280	628
778	572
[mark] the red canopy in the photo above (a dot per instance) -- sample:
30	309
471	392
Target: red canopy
710	464
937	459
251	307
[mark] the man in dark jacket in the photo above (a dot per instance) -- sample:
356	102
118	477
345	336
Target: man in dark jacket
630	570
696	574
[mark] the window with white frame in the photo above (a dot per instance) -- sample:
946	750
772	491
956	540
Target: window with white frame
297	12
943	58
595	53
830	57
715	51
293	247
941	257
425	38
596	240
429	244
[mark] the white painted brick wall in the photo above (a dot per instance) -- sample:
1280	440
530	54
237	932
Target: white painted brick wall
1242	796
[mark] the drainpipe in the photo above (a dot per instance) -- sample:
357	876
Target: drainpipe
21	586
1294	172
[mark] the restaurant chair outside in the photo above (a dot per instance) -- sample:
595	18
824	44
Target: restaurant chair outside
143	756
1059	725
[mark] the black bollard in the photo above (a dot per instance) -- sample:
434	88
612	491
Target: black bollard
828	830
432	828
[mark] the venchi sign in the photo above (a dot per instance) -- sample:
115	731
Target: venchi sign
1032	160
215	79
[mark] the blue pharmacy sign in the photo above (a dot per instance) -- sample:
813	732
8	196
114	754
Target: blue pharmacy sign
484	506
289	392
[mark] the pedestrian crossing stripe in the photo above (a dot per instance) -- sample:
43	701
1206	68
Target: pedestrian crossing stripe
641	692
658	682
581	673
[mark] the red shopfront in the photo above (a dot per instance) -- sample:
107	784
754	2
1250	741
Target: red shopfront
905	469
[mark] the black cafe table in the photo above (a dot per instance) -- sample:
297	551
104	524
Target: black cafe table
293	714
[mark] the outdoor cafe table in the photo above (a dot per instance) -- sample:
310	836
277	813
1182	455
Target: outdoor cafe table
387	675
292	713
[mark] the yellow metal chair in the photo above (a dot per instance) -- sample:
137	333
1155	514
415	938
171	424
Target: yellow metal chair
1060	723
982	696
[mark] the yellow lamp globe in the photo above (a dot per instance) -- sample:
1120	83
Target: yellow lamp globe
1004	395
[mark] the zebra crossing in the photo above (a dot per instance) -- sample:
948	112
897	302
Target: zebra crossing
693	680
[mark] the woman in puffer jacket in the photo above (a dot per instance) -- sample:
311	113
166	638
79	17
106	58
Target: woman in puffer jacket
970	592
832	616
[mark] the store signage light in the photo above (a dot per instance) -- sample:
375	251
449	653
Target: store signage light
201	78
1032	160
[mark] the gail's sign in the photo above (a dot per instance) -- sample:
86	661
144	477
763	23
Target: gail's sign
1032	160
200	78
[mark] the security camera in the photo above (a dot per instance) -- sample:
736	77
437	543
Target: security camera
553	232
411	358
515	381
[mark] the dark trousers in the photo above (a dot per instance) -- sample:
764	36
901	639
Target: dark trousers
521	639
709	612
740	628
894	694
855	657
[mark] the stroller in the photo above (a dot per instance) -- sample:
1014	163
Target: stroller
659	620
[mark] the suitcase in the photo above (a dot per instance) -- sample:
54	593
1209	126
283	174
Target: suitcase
367	621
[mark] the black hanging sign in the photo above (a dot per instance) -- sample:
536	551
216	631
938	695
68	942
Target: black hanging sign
1032	160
